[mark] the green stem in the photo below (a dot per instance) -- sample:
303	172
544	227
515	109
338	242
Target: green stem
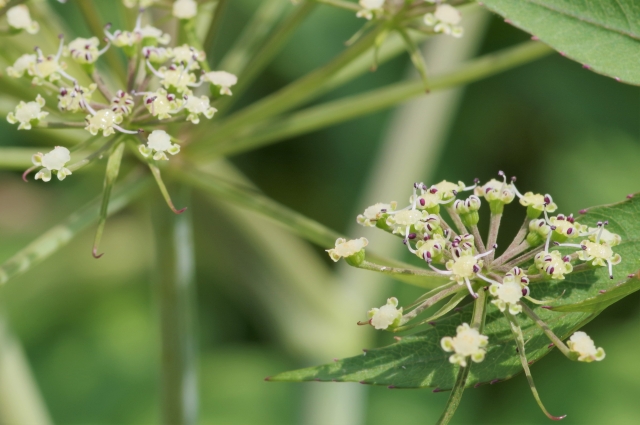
547	331
431	301
61	125
331	113
517	334
367	265
509	254
216	21
92	19
292	95
477	322
175	285
494	227
520	260
253	35
478	239
58	236
462	229
110	177
251	199
266	53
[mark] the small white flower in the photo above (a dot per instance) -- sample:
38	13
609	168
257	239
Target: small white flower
162	104
104	120
347	248
600	234
369	8
177	78
188	56
389	315
584	346
152	35
507	294
22	65
18	17
185	9
222	80
28	114
467	342
158	143
199	105
156	55
52	161
495	190
600	254
124	38
72	99
85	50
536	202
374	212
445	20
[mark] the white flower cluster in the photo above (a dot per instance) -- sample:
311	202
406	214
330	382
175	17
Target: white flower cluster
162	82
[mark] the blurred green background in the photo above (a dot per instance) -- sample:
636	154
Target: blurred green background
89	328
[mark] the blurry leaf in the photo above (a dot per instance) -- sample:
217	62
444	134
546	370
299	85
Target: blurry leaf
602	301
419	361
604	35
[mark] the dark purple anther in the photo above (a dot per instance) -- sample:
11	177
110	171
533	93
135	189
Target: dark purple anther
476	181
476	269
566	259
423	202
426	237
412	236
525	292
433	190
550	270
428	254
606	222
495	381
455	192
553	227
584	247
547	199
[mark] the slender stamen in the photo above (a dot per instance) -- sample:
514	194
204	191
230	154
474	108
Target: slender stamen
153	70
570	245
60	47
546	245
105	48
406	240
122	130
600	231
610	269
486	279
445	272
473	294
484	254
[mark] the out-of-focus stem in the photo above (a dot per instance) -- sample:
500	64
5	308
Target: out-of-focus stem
59	235
90	14
266	53
477	322
175	288
494	227
216	20
334	112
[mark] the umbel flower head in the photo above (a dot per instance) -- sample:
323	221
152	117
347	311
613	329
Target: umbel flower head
159	90
348	249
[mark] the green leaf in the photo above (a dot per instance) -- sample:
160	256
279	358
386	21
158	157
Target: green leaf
603	35
417	361
604	300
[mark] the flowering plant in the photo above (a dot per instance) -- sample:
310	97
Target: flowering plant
146	97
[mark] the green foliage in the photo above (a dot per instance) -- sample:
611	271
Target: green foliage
418	361
603	35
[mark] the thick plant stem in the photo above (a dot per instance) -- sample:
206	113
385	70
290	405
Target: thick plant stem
547	331
175	288
494	226
477	322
